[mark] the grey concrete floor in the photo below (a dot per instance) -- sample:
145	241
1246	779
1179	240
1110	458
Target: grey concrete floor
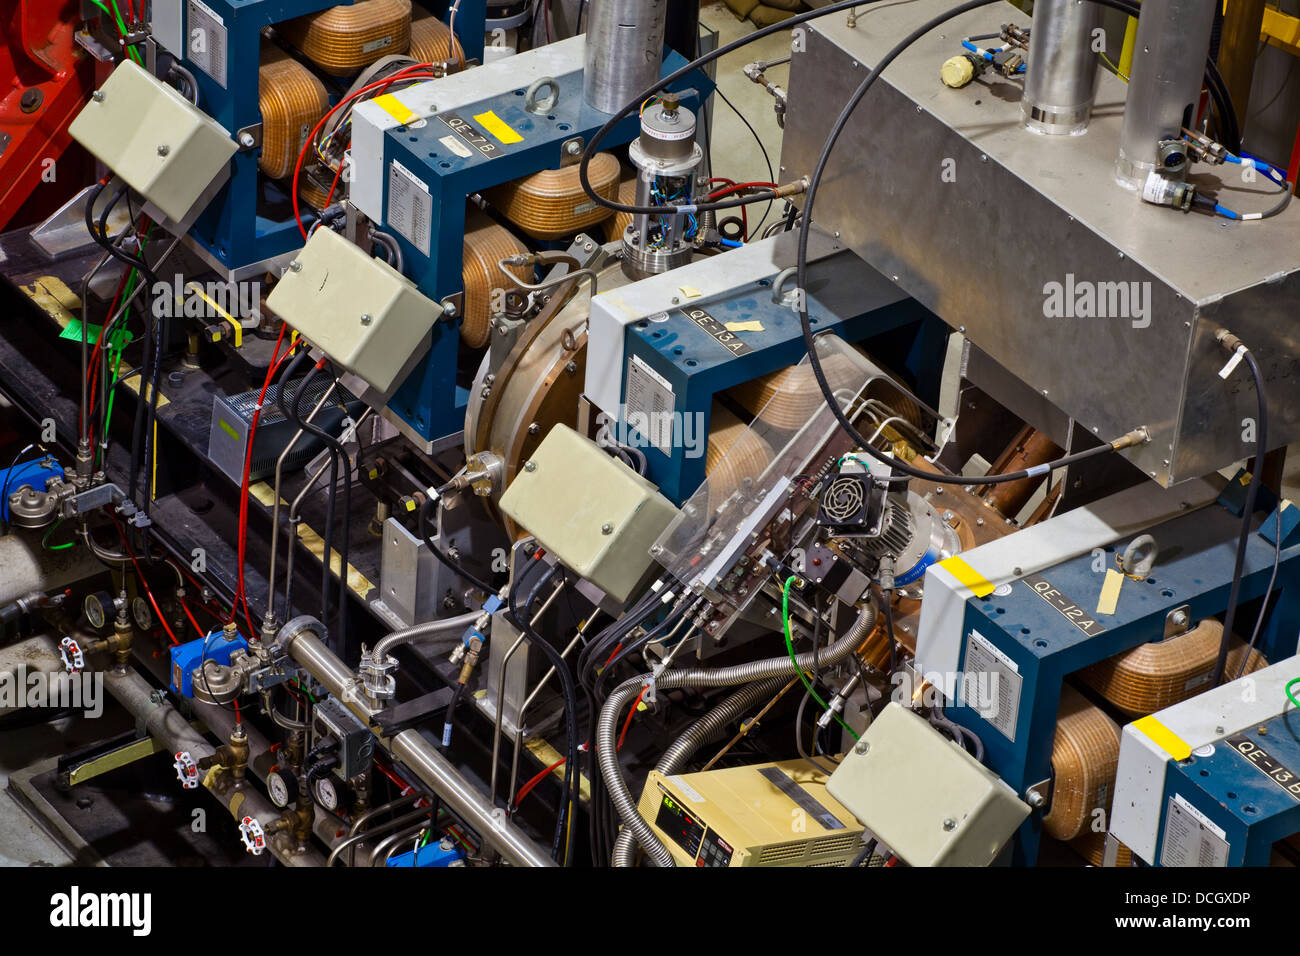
735	153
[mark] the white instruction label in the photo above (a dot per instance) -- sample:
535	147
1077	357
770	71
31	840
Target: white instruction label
650	404
1191	838
990	684
410	207
206	40
455	144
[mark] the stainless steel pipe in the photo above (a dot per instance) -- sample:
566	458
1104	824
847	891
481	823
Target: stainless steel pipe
165	724
420	755
1061	74
625	43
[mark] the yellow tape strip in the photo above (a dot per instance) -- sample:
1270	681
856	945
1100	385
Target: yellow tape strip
133	383
1164	738
395	108
219	312
52	295
754	326
1110	592
498	127
357	581
963	572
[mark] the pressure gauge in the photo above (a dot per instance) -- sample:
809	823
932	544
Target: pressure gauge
99	609
281	788
327	793
143	616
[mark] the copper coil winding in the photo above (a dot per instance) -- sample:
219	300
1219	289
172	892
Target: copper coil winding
431	42
1085	752
789	397
292	101
617	224
486	244
343	40
1092	847
734	453
1157	675
551	204
313	188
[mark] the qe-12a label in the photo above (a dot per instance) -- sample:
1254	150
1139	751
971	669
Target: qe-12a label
1073	612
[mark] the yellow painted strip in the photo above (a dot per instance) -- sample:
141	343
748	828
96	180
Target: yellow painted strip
264	493
1164	738
358	582
395	108
754	326
52	295
548	755
1110	592
963	572
498	127
133	383
218	311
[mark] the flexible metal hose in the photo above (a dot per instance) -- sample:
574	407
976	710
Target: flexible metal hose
420	631
696	736
607	726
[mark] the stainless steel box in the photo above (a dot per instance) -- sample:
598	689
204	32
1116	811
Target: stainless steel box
944	191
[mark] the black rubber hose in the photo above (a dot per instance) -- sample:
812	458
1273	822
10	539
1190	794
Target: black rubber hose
426	532
1247	513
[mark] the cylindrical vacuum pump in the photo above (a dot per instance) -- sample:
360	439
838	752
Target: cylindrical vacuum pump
625	43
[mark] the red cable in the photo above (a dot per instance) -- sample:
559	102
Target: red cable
738	187
630	714
405	74
334	185
527	788
186	608
143	582
240	595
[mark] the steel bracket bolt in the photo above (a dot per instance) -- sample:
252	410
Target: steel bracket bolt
247	140
366	318
97	96
950	824
295	266
607	528
164	150
530	465
861	747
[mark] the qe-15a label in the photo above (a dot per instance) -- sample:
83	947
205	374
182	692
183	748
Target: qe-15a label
727	339
1073	612
1265	763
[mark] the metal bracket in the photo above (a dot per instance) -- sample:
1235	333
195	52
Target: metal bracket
453	307
1039	795
1178	621
249	138
571	151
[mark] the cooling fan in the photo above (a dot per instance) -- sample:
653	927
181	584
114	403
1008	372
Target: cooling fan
845	505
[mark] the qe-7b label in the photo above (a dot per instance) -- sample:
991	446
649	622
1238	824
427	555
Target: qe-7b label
471	134
1073	612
